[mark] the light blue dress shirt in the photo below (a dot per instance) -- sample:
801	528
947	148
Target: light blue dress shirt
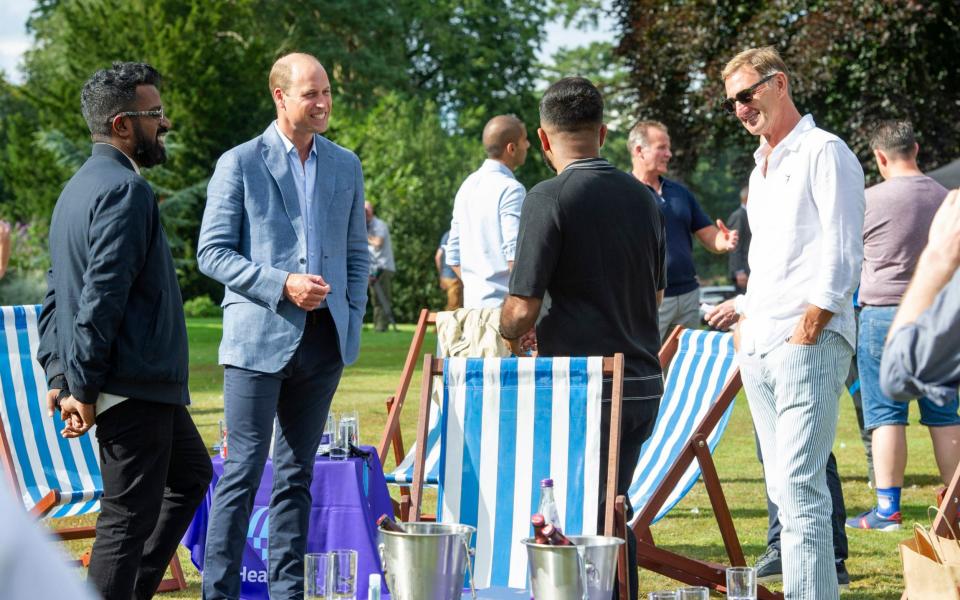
305	178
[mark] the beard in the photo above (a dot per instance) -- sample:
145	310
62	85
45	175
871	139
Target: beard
148	152
546	160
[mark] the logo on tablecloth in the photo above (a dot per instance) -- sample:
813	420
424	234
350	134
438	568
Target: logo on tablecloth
258	530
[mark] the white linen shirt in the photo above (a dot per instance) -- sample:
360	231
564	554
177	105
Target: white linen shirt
806	216
483	233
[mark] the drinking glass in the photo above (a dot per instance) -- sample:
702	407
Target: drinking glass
663	595
347	435
344	574
317	576
329	433
741	583
693	593
352	416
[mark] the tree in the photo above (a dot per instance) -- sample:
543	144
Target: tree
450	65
851	63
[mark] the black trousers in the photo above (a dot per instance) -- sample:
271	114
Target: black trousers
638	419
155	473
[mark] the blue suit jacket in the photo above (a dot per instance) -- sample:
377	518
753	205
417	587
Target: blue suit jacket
252	237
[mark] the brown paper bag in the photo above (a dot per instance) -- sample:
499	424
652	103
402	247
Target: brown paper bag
930	568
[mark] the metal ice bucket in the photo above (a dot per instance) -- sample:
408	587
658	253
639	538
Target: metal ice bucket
427	561
585	571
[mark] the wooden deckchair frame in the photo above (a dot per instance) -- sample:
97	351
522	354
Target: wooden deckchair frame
614	520
391	431
51	500
670	564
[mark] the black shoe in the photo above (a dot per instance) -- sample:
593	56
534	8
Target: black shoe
768	566
843	578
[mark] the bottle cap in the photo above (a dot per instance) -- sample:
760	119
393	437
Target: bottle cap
546	483
538	520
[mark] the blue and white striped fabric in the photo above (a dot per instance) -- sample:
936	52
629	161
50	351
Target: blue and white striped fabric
43	460
703	364
403	474
508	423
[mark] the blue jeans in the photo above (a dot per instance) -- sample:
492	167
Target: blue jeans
878	408
298	398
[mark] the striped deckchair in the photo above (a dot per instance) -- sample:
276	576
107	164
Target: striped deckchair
53	476
702	380
703	363
391	438
506	424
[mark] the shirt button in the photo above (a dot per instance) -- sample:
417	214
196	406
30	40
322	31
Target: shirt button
303	261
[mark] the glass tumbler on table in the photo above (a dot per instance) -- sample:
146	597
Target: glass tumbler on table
693	593
318	576
741	583
329	433
344	574
663	595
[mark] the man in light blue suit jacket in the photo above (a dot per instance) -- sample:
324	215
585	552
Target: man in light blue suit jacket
284	230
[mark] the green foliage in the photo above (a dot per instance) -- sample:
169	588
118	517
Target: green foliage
201	306
448	66
851	64
22	287
412	170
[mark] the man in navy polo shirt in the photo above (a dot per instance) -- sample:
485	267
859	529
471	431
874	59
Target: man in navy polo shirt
649	145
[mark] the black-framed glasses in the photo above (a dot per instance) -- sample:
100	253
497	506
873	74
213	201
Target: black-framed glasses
157	114
744	96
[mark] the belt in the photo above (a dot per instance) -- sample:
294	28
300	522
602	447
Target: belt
317	316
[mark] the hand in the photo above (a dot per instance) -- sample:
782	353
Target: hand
52	401
528	342
723	316
77	416
944	237
728	238
741	279
305	291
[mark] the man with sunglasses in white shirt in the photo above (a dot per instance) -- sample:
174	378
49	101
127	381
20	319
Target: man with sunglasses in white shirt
797	330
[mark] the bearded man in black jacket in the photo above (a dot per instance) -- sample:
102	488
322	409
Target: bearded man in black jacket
113	339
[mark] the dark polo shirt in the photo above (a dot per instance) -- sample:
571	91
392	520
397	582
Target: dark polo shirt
592	241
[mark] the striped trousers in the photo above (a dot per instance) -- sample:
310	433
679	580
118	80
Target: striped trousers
794	392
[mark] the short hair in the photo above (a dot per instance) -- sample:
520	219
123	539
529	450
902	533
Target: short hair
895	138
500	131
638	135
765	61
281	73
113	90
571	105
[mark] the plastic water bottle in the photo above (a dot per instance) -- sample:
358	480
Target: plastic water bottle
548	505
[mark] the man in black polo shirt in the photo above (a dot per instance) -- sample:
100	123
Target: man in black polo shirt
592	239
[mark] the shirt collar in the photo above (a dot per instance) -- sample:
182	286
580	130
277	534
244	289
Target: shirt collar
136	168
791	142
495	165
288	145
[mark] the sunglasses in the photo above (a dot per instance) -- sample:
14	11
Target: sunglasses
743	96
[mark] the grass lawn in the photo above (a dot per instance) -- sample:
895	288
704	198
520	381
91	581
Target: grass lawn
874	564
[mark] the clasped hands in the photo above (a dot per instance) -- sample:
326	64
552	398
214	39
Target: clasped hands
78	417
305	291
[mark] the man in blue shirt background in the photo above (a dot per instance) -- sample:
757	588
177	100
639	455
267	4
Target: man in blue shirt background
649	145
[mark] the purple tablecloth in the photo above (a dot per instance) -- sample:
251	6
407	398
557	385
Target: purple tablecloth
348	497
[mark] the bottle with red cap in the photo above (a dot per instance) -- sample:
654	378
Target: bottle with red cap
387	524
539	523
555	537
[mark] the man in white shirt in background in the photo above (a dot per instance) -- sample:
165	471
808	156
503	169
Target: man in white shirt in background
797	329
486	216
